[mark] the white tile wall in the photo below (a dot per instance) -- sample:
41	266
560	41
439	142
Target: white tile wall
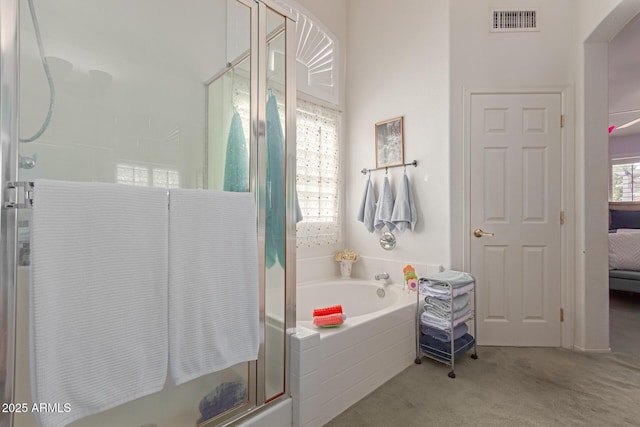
332	372
305	376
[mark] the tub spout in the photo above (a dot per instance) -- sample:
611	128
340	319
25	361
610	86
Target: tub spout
383	276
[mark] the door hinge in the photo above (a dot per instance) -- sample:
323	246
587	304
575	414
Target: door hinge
562	314
561	217
561	120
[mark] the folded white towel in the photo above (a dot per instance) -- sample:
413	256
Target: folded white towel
404	209
367	211
213	282
436	311
443	324
384	209
448	279
98	296
445	304
443	293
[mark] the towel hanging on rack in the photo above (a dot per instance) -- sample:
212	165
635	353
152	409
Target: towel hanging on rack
275	221
236	166
367	211
384	208
404	209
98	296
275	185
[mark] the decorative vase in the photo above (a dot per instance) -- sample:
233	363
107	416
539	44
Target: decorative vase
345	268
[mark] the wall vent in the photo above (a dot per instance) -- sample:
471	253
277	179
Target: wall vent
514	20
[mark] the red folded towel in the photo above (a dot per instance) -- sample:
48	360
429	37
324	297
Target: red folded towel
329	320
327	310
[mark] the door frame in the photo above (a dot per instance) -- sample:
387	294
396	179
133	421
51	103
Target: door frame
567	192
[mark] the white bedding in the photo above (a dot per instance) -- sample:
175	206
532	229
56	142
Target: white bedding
624	250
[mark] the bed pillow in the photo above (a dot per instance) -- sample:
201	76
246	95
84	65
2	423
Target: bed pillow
624	251
624	219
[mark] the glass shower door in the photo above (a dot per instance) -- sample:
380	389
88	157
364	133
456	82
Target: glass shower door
123	87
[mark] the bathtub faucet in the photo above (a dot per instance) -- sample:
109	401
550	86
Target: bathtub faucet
383	276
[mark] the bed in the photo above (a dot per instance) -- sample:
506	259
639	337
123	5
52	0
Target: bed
624	246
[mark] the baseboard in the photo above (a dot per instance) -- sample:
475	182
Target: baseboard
591	350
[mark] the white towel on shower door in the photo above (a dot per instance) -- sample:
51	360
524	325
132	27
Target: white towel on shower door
213	282
98	296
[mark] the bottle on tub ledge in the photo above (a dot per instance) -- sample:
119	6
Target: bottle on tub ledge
346	258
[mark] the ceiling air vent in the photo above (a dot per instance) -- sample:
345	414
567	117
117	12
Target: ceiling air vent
514	20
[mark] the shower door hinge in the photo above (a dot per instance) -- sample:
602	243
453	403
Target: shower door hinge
562	314
22	197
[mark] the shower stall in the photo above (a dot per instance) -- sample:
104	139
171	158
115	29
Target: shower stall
170	94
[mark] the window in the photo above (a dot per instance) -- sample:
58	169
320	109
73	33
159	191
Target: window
317	174
145	176
317	157
625	179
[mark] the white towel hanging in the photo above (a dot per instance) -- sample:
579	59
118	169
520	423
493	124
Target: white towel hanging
404	209
98	296
367	211
213	282
384	208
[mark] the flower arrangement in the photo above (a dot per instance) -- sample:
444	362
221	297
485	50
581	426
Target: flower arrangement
347	255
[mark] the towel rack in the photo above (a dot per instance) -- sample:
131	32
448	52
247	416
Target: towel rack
365	170
22	198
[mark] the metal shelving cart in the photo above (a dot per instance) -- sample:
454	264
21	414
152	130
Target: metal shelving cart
439	354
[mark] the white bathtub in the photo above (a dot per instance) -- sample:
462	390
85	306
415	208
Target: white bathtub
376	342
359	299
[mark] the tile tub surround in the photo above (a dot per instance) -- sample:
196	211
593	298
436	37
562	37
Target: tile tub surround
334	368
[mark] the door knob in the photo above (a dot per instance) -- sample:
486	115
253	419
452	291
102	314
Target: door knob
479	233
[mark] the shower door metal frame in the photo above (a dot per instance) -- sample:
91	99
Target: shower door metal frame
9	107
8	216
290	185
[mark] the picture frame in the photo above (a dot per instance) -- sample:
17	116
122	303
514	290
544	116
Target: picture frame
389	143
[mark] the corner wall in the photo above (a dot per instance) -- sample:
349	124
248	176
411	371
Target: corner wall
599	23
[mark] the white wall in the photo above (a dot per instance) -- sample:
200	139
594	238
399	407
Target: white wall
398	65
620	146
480	59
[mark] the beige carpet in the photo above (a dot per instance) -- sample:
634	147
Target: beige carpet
509	386
624	322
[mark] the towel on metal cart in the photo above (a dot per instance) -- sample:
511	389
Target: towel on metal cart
442	351
449	279
428	319
444	293
446	315
445	304
445	336
446	284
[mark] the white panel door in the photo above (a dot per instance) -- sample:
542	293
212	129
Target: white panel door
515	189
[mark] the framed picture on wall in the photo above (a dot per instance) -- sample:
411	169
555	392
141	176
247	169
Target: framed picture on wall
389	143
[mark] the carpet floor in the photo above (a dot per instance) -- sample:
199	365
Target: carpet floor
515	386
